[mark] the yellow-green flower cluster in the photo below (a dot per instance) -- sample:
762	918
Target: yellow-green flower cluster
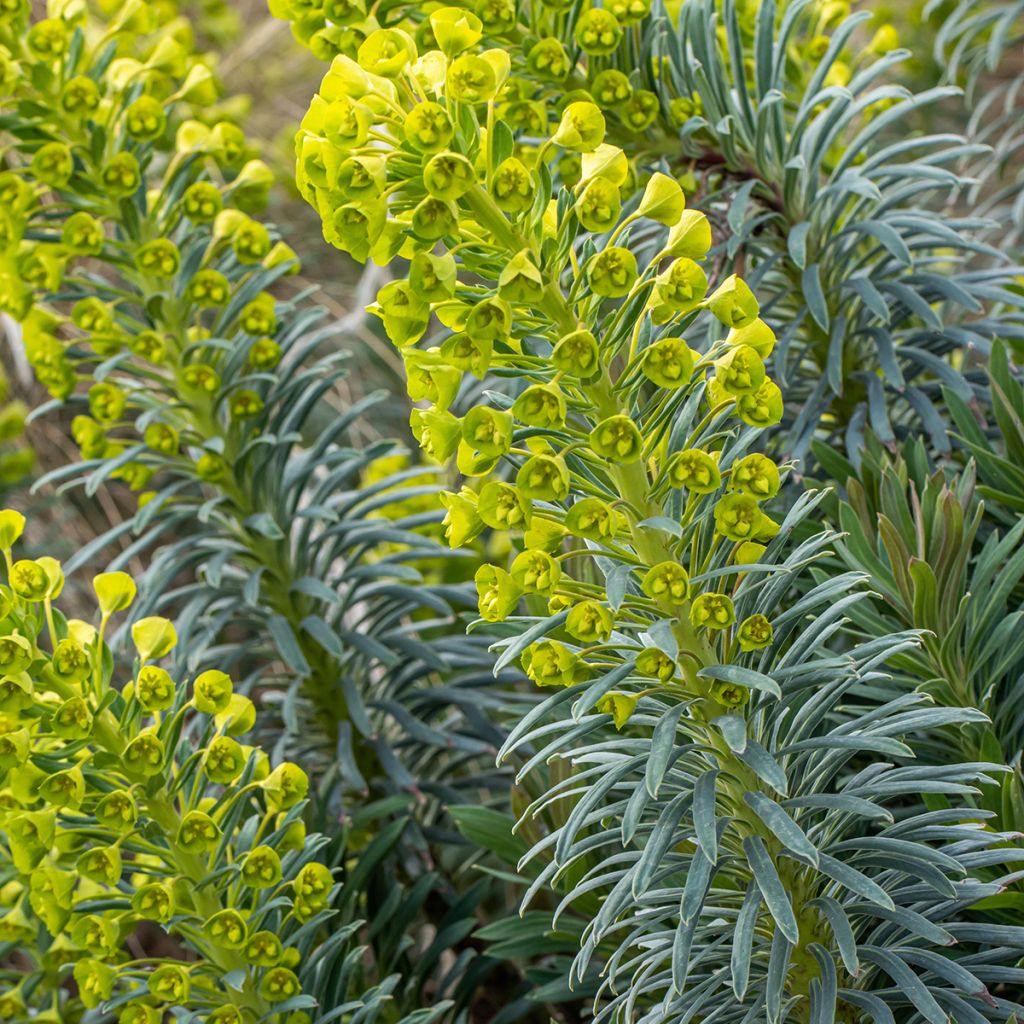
629	384
134	214
547	61
122	807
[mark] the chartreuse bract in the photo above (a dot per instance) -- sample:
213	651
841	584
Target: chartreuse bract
135	801
603	404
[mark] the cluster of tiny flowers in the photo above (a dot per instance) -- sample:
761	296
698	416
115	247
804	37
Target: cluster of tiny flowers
122	809
127	240
608	439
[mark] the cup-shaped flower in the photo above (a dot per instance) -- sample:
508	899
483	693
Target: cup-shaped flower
471	79
667	581
535	572
101	864
263	949
279	984
121	176
762	408
497	593
640	111
695	470
12	524
83	234
668	362
202	202
154	901
712	611
590	621
612	272
14	749
227	929
95	980
29	580
550	663
462	523
159	258
455	29
576	354
144	756
655	664
170	984
15	654
756	475
740	371
433	219
733	303
738	517
592	519
224	761
386	52
599	205
198	833
117	811
598	32
238	717
548	59
447	176
208	289
286	786
487	431
540	405
501	507
70	662
141	1013
663	200
154	688
312	887
617	439
543	478
520	281
261	868
679	289
437	431
64	789
211	692
405	315
53	164
489	320
610	88
754	632
428	127
513	186
619	705
582	127
730	695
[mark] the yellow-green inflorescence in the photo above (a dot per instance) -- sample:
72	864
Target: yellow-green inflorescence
124	808
624	390
127	240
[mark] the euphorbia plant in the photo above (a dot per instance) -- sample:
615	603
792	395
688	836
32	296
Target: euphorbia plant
743	863
609	429
141	803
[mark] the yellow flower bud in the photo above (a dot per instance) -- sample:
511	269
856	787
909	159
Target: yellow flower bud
115	591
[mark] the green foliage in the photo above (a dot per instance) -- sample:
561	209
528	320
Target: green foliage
944	555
